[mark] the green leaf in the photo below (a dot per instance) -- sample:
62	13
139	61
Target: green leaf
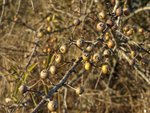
35	104
50	58
54	19
25	76
31	67
17	86
46	89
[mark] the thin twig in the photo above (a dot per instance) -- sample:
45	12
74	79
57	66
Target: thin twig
65	98
32	54
18	8
59	85
136	68
137	11
116	6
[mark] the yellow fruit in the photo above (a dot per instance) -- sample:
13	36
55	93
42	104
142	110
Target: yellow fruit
100	26
44	62
130	32
23	89
104	69
58	58
110	43
96	57
48	50
119	11
107	34
89	48
126	28
52	69
106	53
48	28
85	56
87	66
52	105
140	30
79	42
133	54
110	22
48	18
76	22
8	100
40	34
63	49
44	50
79	90
107	37
102	15
44	74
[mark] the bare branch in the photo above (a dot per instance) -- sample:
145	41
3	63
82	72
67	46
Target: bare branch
59	85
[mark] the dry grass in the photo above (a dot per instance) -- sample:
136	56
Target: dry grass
123	90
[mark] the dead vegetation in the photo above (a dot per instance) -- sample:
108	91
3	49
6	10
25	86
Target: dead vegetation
95	55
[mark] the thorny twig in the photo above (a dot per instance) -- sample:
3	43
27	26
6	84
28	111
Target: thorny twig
59	85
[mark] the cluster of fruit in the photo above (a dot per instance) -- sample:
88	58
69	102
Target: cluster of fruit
98	53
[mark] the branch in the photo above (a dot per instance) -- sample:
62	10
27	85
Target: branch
116	6
33	52
59	85
137	11
136	68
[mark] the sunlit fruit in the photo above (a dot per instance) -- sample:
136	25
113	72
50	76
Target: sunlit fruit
100	26
52	105
23	89
126	28
87	66
40	34
80	42
48	18
96	57
48	28
76	22
89	48
58	58
133	53
102	15
8	100
129	33
110	43
48	50
85	56
119	11
79	90
140	30
104	69
52	69
44	74
106	53
63	49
